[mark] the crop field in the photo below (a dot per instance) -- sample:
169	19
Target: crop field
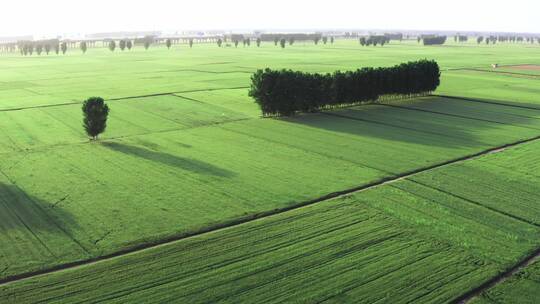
522	287
438	239
186	152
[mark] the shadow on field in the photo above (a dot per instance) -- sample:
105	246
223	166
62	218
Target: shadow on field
431	121
20	211
192	165
510	103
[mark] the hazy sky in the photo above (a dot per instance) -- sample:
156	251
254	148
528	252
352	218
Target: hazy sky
75	16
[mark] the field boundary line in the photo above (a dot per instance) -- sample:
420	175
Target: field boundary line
119	98
459	116
485	101
496	280
530	76
473	202
257	216
391	125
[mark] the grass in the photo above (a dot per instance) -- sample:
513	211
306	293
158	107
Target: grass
198	155
401	242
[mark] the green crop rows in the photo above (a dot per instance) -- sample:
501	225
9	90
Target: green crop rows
522	287
411	240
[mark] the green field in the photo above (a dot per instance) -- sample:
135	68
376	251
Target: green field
410	240
523	287
186	151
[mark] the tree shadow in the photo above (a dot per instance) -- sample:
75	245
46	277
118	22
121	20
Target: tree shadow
35	233
192	165
20	210
430	121
510	103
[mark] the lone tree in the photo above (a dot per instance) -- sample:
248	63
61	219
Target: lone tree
190	42
146	44
258	42
84	47
219	42
168	43
112	45
63	46
95	113
236	43
122	44
331	40
325	40
129	45
282	43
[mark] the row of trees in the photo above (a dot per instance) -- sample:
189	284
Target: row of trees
276	39
461	38
433	40
286	92
487	40
374	40
47	46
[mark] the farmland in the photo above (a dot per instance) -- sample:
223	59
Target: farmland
186	152
522	287
357	246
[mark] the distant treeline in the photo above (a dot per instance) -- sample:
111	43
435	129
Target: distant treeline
40	46
286	92
289	36
434	40
374	40
461	38
394	36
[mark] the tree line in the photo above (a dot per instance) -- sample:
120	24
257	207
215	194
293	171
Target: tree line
286	92
374	40
433	40
47	46
461	38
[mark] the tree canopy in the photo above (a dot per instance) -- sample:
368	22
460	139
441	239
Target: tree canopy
285	92
95	113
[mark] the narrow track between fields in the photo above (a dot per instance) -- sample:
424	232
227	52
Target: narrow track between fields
468	296
254	217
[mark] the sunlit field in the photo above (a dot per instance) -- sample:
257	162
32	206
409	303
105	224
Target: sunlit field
248	208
